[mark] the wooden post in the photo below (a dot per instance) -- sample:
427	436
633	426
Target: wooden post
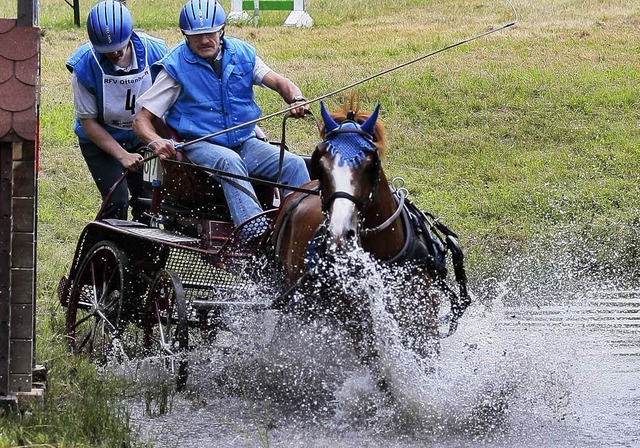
6	180
27	12
20	48
76	12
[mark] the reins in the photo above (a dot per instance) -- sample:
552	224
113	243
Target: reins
402	194
228	176
283	145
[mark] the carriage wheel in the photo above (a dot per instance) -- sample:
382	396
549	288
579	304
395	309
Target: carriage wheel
166	324
95	301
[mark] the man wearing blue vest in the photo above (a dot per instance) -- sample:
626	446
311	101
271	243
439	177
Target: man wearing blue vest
108	74
205	85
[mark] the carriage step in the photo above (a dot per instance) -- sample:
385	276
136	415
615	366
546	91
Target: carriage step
211	304
163	235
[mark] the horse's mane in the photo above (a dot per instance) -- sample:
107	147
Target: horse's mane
352	105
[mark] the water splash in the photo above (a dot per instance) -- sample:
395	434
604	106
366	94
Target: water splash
524	369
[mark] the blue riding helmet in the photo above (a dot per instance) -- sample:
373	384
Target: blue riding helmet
109	26
202	16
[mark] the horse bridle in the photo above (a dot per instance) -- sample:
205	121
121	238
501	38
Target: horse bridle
360	204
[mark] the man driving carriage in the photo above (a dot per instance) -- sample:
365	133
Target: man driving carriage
205	85
108	73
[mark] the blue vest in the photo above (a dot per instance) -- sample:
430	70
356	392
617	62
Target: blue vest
84	65
208	104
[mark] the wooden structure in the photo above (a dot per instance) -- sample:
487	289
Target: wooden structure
298	17
19	92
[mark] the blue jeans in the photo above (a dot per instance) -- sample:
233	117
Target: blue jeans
255	158
106	171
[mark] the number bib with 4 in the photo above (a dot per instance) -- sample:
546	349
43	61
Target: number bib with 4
119	97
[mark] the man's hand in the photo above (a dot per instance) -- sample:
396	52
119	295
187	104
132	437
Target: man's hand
301	109
144	125
163	148
130	161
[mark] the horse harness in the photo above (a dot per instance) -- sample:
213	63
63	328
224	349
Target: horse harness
424	246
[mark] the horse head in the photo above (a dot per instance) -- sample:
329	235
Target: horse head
347	165
356	207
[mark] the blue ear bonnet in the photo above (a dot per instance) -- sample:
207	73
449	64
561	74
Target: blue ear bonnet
350	144
349	139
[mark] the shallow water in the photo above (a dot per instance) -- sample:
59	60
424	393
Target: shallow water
551	362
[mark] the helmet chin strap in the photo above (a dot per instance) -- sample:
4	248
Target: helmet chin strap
127	56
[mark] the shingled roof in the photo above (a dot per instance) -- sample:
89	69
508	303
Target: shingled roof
19	66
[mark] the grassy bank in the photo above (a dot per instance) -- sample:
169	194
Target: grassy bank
529	134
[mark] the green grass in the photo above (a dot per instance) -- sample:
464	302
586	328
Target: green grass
82	407
530	134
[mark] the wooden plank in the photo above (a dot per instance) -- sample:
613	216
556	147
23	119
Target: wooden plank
4	352
24	179
24	215
6	179
20	356
5	257
21	322
16	150
22	251
22	286
20	382
24	151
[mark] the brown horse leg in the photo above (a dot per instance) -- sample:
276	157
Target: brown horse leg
362	337
417	317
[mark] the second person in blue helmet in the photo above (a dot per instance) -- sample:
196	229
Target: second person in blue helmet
205	85
109	73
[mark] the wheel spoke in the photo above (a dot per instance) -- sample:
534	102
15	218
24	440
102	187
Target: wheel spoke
106	286
114	299
104	338
167	327
93	315
94	298
87	339
81	321
161	335
84	299
105	320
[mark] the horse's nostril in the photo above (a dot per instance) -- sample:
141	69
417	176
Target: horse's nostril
351	234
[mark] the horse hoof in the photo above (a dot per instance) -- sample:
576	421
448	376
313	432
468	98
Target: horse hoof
382	385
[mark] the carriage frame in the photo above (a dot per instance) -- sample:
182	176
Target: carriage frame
153	289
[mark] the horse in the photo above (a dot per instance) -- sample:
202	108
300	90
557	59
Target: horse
355	207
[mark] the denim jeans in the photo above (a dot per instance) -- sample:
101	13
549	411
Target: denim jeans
106	171
255	158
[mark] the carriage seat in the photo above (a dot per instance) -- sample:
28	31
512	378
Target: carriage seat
189	190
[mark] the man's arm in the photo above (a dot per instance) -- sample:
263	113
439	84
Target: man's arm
289	92
103	140
154	103
86	107
145	125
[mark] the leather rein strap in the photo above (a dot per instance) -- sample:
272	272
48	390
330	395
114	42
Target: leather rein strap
283	147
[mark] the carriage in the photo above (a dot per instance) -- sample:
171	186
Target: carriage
142	288
159	288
